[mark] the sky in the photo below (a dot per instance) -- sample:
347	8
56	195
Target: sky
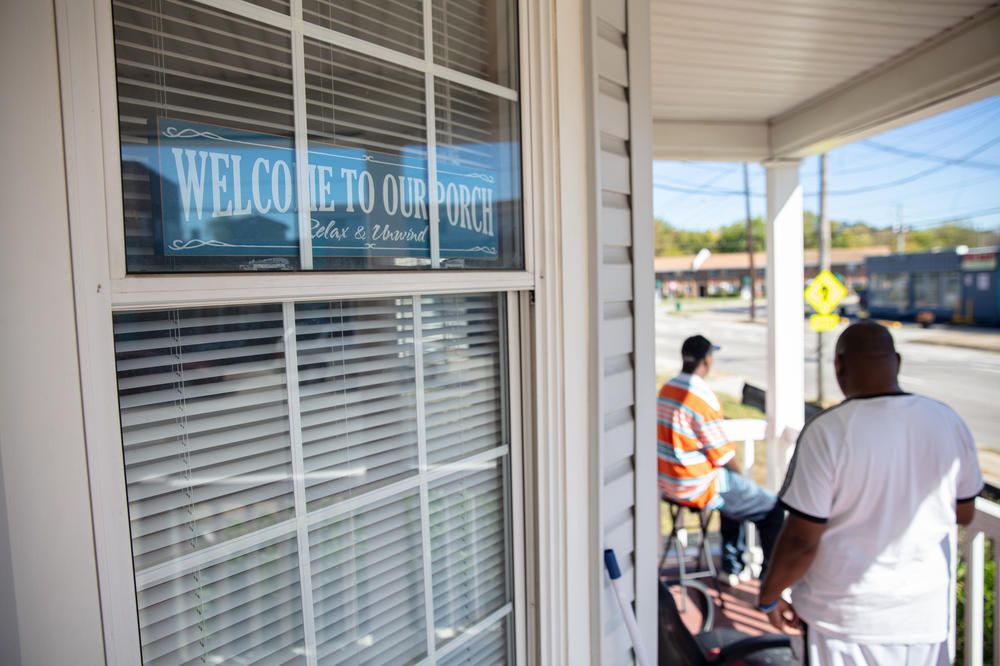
926	173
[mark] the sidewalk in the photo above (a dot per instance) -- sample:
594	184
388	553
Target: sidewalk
969	337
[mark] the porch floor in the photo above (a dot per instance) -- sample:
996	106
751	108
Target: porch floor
735	608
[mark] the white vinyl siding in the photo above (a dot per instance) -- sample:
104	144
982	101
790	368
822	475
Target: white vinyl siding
622	310
615	303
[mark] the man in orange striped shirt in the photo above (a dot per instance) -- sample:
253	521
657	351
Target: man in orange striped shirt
697	464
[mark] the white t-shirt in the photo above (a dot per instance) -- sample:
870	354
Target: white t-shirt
884	474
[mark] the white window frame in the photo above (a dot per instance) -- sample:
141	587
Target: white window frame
102	287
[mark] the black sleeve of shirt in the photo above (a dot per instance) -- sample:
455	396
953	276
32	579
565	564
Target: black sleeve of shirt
969	499
801	514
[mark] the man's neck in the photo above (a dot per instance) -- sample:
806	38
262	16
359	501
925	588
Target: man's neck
871	391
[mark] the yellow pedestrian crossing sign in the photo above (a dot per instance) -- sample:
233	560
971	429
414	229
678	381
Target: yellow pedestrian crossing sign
825	292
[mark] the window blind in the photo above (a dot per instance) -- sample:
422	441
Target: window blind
368	585
395	24
245	608
216	416
357	395
184	60
468	549
475	37
204	416
361	102
488	648
462	384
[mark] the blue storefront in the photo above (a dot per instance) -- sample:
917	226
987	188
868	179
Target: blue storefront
953	286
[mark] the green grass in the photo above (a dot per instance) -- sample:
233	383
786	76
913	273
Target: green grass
732	408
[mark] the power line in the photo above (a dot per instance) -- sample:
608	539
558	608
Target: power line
927	156
694	188
948	120
701	192
930	222
946	162
919	175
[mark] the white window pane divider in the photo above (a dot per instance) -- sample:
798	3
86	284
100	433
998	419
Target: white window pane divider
305	520
425	521
395	57
301	143
299	479
122	283
157	292
433	473
207	556
431	115
475	630
299	29
361	46
517	529
251	11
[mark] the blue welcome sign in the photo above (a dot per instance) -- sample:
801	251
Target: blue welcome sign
228	192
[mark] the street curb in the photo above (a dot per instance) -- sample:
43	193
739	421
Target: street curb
963	344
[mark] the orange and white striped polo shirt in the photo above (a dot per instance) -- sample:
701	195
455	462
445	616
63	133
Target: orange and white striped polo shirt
691	444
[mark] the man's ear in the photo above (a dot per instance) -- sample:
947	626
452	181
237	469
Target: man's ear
899	362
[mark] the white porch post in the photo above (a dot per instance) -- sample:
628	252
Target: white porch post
785	343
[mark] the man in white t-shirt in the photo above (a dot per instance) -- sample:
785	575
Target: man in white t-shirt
873	491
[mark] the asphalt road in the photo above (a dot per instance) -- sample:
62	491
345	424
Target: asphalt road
966	379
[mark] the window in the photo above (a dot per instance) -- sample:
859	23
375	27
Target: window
349	143
889	290
951	289
926	290
316	477
319	482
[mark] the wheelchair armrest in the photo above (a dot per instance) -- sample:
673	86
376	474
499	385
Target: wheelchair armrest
747	646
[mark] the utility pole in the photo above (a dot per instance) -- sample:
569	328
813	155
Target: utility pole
825	241
753	270
900	230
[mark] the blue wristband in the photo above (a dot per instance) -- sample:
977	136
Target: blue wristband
768	608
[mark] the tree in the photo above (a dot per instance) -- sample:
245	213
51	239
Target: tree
669	241
732	237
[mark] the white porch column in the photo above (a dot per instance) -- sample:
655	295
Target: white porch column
785	343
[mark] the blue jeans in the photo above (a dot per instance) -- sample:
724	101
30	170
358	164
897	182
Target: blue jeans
745	500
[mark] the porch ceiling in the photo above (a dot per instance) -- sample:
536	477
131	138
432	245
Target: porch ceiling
751	79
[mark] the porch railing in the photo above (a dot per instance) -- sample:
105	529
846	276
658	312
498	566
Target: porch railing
985	525
749	432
